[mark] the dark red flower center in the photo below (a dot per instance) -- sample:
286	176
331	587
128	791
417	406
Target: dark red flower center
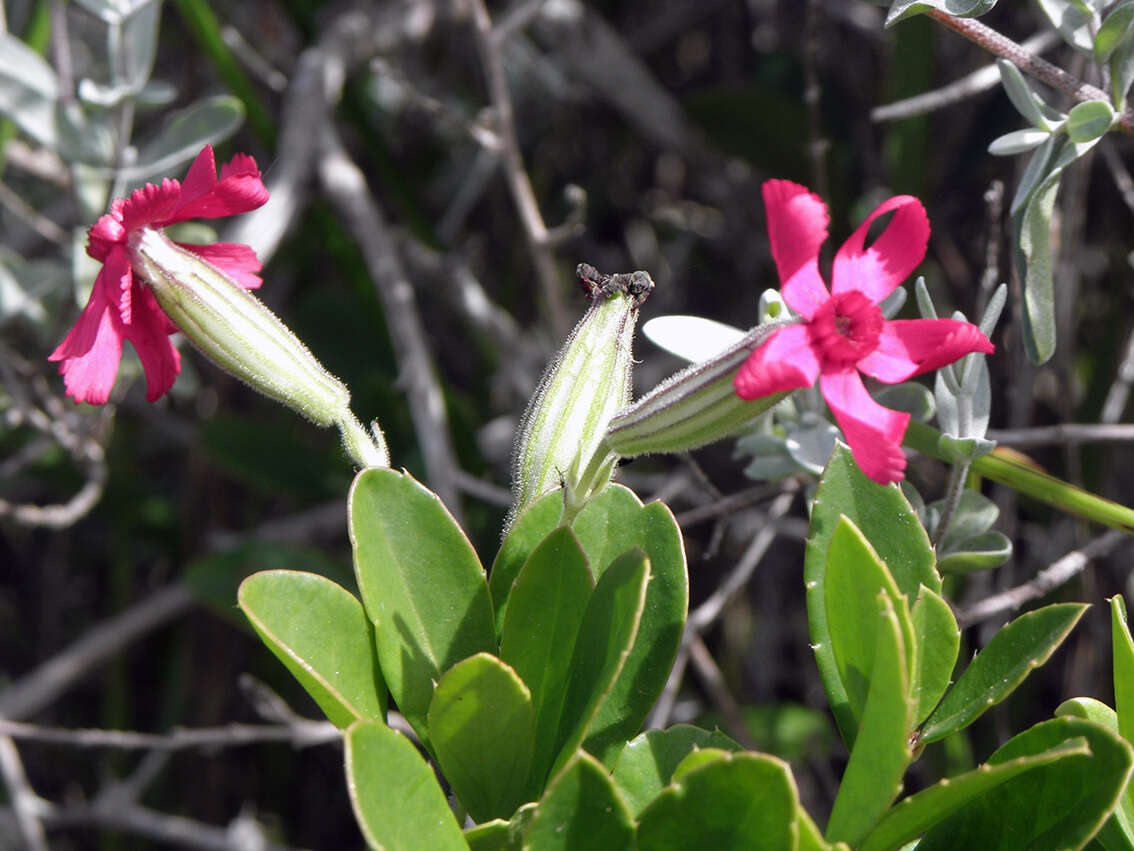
846	328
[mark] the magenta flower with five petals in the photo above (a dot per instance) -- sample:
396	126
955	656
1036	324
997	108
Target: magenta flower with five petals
121	307
843	332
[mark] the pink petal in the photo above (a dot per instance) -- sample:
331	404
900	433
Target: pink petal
201	178
785	361
874	433
91	351
909	347
877	270
148	332
797	227
239	190
151	205
237	261
107	232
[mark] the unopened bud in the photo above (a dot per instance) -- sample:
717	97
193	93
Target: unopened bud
234	330
693	408
588	382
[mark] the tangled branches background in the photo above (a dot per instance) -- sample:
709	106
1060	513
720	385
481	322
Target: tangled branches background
438	168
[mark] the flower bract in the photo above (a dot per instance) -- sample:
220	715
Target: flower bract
843	334
121	306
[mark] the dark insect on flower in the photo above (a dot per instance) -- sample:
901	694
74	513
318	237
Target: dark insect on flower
596	285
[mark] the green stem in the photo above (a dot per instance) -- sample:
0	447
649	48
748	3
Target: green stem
1027	480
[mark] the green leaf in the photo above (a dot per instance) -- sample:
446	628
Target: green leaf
740	801
938	641
491	836
1118	832
545	610
1116	29
581	809
1032	227
973	515
29	91
1123	667
646	764
1018	142
916	814
611	524
1026	101
983	552
320	632
606	636
421	583
481	725
1121	73
1058	805
881	751
394	793
1018	648
208	121
1089	121
902	9
897	537
529	528
855	577
1076	21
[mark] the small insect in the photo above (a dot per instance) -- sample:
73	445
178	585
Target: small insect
596	285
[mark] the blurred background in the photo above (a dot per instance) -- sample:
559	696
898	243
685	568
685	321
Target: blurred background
438	169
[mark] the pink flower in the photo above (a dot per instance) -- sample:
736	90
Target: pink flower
843	332
121	307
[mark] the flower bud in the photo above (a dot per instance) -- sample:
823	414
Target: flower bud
693	407
588	382
234	330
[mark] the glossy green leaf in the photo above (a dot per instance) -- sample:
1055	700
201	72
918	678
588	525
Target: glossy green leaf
855	577
810	837
902	9
606	636
937	642
1058	805
1118	832
491	836
646	765
695	759
1089	121
740	801
612	523
581	809
1116	29
881	751
916	814
320	632
545	610
481	724
897	537
983	552
529	528
1123	667
421	583
1017	649
396	799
